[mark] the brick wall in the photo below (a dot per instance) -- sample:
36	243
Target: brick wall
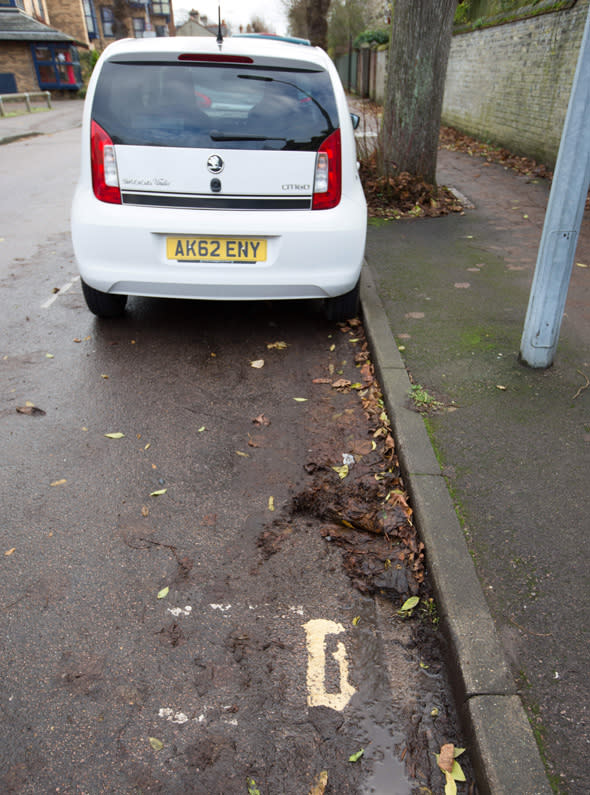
68	16
16	58
510	84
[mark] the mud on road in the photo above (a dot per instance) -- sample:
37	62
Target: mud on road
209	603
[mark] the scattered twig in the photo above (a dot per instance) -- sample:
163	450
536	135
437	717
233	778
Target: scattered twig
584	386
528	631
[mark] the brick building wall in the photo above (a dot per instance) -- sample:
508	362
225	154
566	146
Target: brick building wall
15	58
510	84
68	15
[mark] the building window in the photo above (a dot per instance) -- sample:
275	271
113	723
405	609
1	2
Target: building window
107	18
138	27
57	66
90	16
39	10
161	7
12	4
161	30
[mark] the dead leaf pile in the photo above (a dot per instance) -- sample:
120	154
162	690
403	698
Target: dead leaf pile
403	195
456	141
361	499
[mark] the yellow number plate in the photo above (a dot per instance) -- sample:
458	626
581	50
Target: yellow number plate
216	249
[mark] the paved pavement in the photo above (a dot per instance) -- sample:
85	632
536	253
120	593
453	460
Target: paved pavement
514	448
63	115
499	473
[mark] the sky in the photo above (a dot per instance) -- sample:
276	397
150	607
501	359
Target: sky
237	12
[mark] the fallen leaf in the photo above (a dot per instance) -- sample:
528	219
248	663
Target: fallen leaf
357	756
319	785
581	265
321	381
355	621
271	503
77	339
61	482
145	510
244	455
362	447
252	788
261	419
158	493
300	400
148	445
116	435
32	411
104	375
162	594
257	364
9	552
279	346
340	383
450	786
501	387
410	604
49	356
342	471
446	758
156	744
201	429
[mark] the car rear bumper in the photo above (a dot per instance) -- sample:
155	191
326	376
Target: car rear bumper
310	254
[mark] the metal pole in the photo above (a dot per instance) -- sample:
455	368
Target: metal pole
562	222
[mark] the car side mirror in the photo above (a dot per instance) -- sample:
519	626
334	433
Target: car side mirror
356	120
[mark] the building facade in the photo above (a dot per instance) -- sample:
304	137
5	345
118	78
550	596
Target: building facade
39	39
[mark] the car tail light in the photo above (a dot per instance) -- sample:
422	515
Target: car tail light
214	58
105	178
327	186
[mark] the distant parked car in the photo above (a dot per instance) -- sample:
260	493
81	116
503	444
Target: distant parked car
218	171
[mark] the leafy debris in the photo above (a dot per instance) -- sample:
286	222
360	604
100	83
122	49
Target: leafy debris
404	195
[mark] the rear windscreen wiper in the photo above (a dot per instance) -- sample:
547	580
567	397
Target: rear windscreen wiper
265	79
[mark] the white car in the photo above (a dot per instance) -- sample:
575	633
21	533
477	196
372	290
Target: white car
218	170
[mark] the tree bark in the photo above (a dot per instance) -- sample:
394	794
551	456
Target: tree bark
418	55
121	13
317	22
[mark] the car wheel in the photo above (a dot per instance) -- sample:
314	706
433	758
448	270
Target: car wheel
103	304
343	307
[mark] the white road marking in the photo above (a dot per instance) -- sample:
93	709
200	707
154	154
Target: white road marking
316	631
179	611
172	716
67	286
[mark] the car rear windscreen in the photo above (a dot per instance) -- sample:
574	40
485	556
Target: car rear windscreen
214	105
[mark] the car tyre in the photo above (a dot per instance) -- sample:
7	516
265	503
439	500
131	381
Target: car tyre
103	304
344	307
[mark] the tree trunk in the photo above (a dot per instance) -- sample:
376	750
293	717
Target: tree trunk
418	55
121	13
317	22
